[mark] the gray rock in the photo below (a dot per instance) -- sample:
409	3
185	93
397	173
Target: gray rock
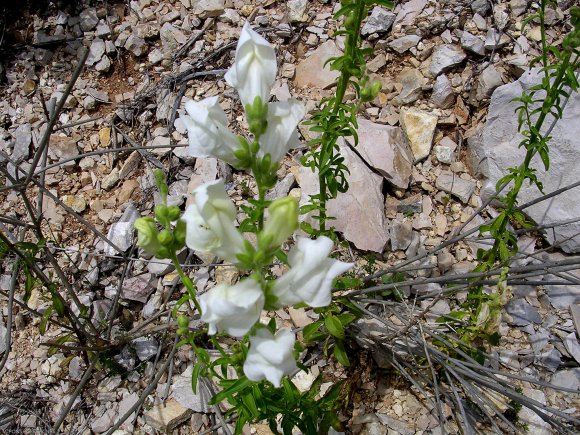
522	313
412	204
383	147
282	187
535	424
487	82
412	81
401	235
89	19
138	288
103	30
208	8
567	378
408	12
181	391
145	347
444	154
155	56
481	7
22	140
380	21
404	43
126	358
104	422
562	296
472	43
101	309
518	7
297	10
495	40
572	346
538	341
104	65
453	184
171	37
110	180
136	45
575	313
122	232
359	212
129	399
312	72
443	96
444	58
3	335
496	148
550	360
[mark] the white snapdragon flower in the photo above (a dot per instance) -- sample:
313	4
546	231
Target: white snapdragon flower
233	309
281	134
207	130
210	222
270	356
311	273
254	70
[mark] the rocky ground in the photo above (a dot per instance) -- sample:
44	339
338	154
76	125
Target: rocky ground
431	147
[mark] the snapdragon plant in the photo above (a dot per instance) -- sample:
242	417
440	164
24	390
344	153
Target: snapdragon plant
263	356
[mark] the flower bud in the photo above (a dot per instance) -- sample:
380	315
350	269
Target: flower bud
165	237
182	321
370	91
161	212
282	221
179	234
173	213
256	113
147	235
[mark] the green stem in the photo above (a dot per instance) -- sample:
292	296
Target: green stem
189	285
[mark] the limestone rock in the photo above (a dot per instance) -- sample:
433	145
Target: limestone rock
473	43
89	19
136	45
182	393
23	138
443	96
419	128
359	212
455	185
409	11
138	288
401	235
96	51
487	82
310	71
208	8
383	147
444	58
412	81
402	44
165	417
297	10
380	20
121	232
496	148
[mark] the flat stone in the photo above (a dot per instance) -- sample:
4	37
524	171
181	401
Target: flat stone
401	235
182	393
129	399
96	51
122	232
380	21
472	43
535	424
522	313
297	10
136	45
404	43
412	81
22	141
139	288
419	128
453	184
444	58
311	72
496	148
77	203
487	82
104	65
146	347
567	378
408	12
412	204
359	212
208	8
549	359
480	7
89	19
165	417
383	147
443	96
575	313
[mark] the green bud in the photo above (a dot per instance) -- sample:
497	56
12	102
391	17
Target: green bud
165	237
173	213
256	114
282	221
161	183
161	213
147	235
369	92
179	233
163	252
182	321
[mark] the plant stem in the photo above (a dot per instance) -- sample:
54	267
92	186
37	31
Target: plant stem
189	285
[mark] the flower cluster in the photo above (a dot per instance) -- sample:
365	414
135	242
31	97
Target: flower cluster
210	221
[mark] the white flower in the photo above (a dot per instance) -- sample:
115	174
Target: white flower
254	70
270	357
281	134
210	222
207	130
233	309
311	273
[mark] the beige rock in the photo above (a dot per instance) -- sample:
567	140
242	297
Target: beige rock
110	180
77	203
419	128
165	418
311	71
126	191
